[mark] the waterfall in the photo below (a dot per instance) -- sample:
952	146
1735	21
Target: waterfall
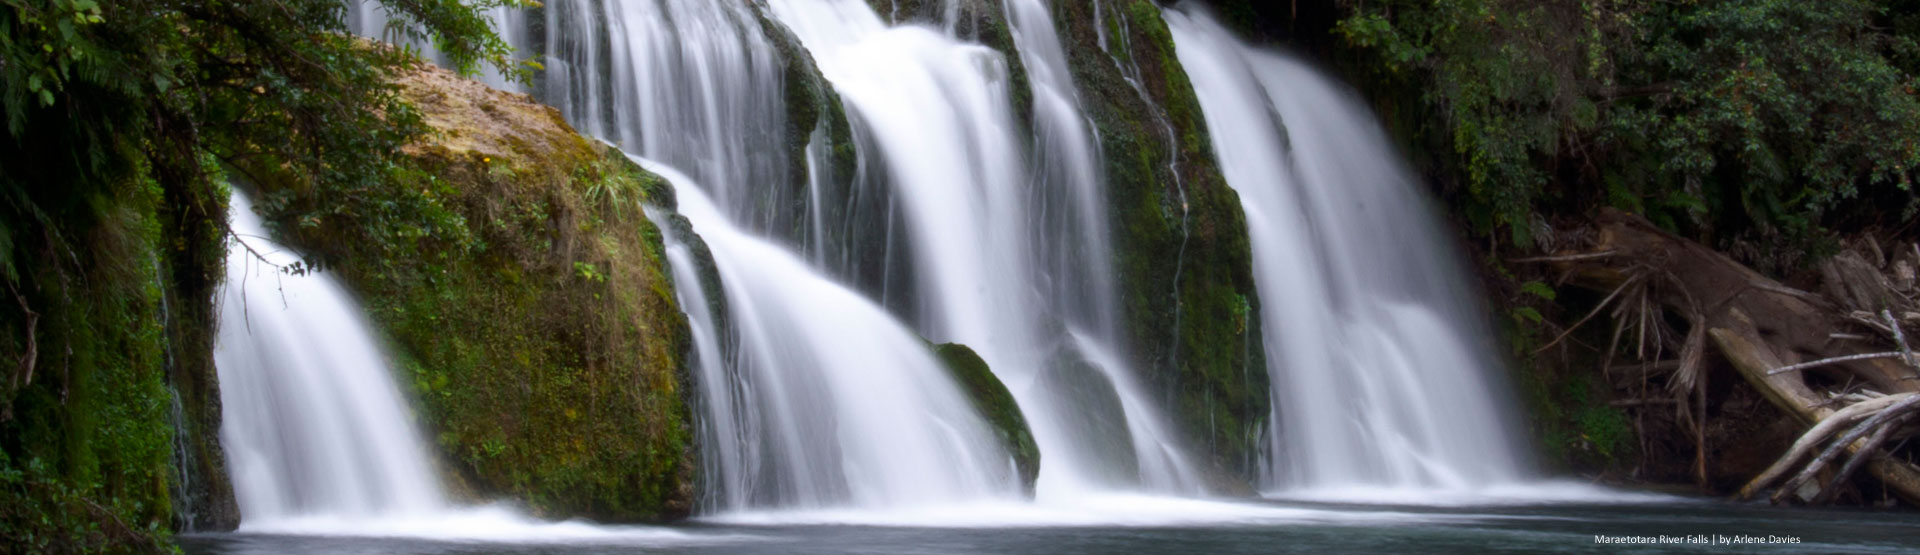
318	436
944	226
1067	191
946	221
312	422
1073	251
823	399
1383	377
942	113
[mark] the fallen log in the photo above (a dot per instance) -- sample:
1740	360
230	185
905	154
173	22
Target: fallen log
1814	437
1880	420
1867	452
1758	325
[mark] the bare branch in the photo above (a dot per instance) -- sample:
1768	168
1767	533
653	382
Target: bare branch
1834	360
1906	403
1589	316
1808	441
1867	451
1564	257
24	376
1900	339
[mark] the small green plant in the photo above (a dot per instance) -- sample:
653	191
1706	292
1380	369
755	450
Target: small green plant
588	272
1606	428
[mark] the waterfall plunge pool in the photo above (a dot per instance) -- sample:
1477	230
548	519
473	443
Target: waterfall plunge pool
1162	525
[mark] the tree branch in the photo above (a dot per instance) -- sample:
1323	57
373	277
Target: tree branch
1834	360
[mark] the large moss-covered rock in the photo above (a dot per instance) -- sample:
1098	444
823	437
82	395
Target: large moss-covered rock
532	315
994	402
1185	265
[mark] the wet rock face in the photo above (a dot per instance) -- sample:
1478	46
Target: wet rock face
1182	255
1091	404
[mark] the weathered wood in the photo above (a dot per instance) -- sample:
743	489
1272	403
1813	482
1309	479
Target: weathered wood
1813	438
1849	442
1834	360
1700	283
1758	325
1857	282
1867	451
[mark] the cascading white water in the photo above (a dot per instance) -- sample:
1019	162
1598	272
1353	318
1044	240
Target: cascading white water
693	84
1382	376
698	85
1074	250
941	111
312	422
823	399
317	435
1068	193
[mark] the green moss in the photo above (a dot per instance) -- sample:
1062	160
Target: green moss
1183	256
194	269
535	321
811	106
1572	422
86	441
994	402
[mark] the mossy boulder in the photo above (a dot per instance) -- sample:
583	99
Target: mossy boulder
1183	256
994	402
531	310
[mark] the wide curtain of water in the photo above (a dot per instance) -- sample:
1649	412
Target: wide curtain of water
991	234
813	396
1383	375
311	420
970	225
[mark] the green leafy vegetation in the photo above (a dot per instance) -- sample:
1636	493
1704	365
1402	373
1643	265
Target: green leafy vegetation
1749	123
85	439
121	119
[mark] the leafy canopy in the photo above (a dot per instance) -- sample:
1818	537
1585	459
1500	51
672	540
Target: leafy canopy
93	91
1737	118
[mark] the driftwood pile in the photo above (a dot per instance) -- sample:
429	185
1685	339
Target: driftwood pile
1839	361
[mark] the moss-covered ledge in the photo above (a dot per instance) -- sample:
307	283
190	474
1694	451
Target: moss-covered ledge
996	403
531	312
1184	261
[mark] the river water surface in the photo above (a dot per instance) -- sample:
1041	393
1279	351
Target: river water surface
1258	527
